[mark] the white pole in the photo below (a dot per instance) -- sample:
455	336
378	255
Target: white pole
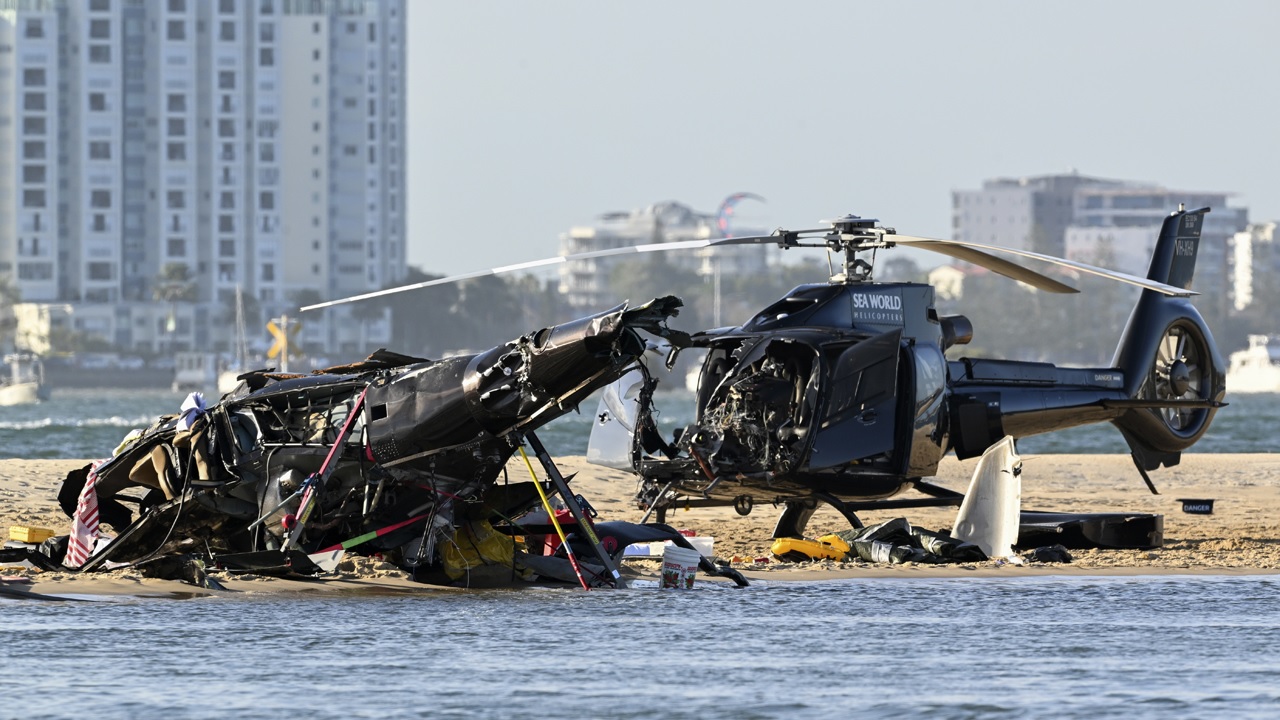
284	343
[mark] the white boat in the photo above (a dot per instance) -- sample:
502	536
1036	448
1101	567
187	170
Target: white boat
1256	369
228	380
22	380
195	371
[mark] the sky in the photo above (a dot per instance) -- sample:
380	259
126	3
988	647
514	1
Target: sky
528	118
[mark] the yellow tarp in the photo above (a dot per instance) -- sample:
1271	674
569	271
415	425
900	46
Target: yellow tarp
476	544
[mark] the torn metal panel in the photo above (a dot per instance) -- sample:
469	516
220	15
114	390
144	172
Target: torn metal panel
347	456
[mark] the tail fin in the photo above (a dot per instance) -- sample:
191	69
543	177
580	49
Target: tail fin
1168	355
1174	260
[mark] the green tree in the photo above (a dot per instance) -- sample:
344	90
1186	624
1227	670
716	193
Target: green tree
487	312
539	301
899	268
996	307
9	296
64	339
302	298
298	299
1101	309
173	285
9	293
365	312
640	280
421	322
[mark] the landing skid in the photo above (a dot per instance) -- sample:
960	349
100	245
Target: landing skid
796	512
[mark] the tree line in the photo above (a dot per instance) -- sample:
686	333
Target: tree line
1010	320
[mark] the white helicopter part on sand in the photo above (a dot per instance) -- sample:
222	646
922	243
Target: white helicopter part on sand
992	508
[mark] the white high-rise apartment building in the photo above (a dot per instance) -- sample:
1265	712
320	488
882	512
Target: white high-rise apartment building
257	143
1254	263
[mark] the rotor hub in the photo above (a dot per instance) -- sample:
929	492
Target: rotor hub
1179	378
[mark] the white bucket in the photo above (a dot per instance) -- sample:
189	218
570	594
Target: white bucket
703	544
679	566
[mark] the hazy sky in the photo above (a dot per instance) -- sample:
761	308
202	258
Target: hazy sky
526	118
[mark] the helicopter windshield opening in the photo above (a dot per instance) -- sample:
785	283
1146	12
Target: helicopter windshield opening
755	414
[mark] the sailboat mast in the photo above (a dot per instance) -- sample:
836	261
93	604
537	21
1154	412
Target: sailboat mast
242	342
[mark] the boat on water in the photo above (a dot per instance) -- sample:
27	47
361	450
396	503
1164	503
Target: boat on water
22	379
229	380
195	371
1256	369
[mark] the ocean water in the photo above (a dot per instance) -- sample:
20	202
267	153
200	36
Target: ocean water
89	423
1067	647
883	648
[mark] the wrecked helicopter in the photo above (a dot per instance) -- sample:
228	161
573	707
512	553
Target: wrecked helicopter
393	455
848	392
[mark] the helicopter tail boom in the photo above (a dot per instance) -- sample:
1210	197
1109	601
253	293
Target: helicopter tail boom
1165	383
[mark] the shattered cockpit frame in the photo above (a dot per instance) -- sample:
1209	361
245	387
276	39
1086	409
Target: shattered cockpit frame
402	454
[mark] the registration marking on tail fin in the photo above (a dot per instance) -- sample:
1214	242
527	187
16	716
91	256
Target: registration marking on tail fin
1174	260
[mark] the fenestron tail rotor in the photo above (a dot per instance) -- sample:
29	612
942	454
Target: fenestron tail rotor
1181	372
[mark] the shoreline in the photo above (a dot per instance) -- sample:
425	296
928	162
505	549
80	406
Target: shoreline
1241	537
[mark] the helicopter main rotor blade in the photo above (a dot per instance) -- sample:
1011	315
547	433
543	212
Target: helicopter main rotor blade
629	250
954	248
995	264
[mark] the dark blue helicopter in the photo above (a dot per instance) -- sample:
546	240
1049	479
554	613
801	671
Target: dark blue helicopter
847	392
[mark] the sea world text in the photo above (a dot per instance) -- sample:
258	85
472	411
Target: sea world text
877	308
863	301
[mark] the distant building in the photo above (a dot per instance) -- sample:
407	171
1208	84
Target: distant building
584	284
257	143
1030	213
1132	215
1108	222
1255	259
948	281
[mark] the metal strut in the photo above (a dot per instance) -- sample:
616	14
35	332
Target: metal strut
315	481
575	508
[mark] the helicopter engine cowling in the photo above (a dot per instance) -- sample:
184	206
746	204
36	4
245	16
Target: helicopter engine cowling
956	330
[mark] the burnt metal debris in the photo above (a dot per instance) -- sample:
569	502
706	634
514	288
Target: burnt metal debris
395	455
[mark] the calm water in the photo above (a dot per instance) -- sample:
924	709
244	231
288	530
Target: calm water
953	648
78	424
888	648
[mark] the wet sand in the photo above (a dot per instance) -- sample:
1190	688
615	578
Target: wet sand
1241	536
